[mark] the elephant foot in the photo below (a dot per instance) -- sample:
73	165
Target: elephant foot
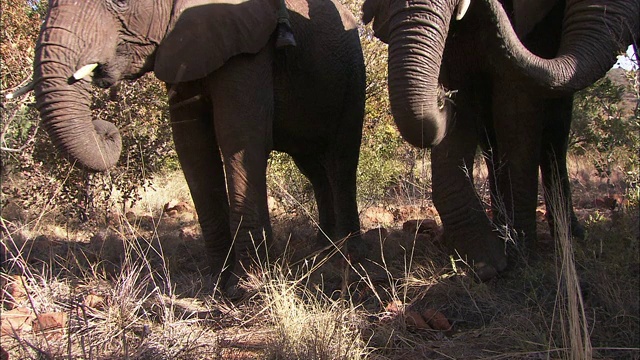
486	256
226	274
233	288
354	248
577	230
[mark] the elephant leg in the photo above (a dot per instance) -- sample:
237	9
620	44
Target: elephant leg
518	126
502	219
342	169
334	186
553	165
242	93
315	171
197	148
489	148
467	229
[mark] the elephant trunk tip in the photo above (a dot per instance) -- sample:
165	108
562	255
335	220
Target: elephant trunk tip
108	143
423	123
92	145
426	128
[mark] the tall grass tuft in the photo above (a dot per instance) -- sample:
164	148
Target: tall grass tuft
569	302
307	324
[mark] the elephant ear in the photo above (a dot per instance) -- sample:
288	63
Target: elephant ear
378	11
203	34
527	13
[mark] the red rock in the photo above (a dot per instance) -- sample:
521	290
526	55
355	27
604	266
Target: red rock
189	233
611	202
50	321
395	307
13	291
414	319
130	216
174	207
15	321
376	216
414	211
94	301
436	320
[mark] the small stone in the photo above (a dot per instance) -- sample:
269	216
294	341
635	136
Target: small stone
436	320
15	321
50	321
94	302
414	319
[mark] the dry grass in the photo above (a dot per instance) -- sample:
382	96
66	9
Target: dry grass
570	304
575	300
306	324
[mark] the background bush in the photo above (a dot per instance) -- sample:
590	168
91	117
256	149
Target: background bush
606	127
40	177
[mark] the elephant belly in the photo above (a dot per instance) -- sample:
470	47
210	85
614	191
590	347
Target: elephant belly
298	136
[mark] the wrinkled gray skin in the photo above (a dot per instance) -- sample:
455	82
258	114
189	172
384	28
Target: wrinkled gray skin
233	98
514	100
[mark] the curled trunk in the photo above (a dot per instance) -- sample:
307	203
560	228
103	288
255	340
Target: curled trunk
594	33
64	105
66	116
416	46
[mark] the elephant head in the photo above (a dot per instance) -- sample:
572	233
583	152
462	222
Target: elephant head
104	41
594	32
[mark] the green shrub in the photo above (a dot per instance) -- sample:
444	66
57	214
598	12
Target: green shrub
287	183
606	127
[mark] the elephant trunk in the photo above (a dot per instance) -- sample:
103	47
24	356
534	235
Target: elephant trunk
593	35
417	38
64	105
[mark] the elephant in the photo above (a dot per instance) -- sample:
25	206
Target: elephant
499	75
233	98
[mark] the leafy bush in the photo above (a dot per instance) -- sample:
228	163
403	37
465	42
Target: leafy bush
41	176
285	182
18	32
606	127
380	165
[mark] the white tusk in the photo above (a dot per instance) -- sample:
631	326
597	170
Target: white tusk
21	91
463	6
84	71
